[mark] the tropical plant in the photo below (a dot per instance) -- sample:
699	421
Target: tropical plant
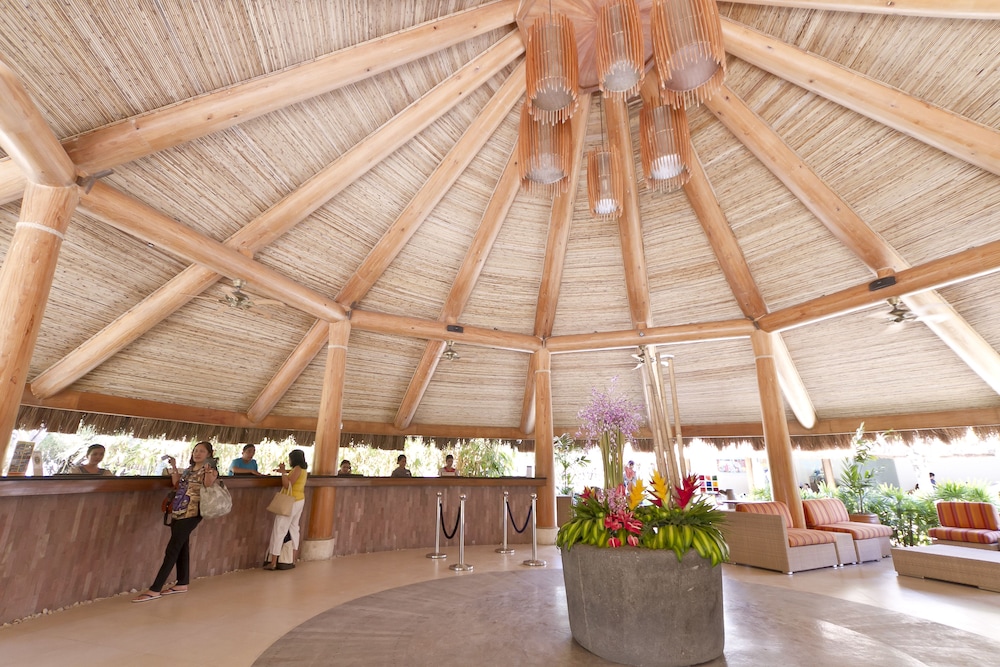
607	420
569	458
480	457
908	515
665	519
973	492
858	478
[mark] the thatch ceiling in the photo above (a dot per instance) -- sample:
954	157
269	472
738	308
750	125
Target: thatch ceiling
915	188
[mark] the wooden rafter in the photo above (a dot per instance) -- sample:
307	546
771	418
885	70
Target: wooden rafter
158	130
965	139
847	226
280	218
948	9
399	233
560	221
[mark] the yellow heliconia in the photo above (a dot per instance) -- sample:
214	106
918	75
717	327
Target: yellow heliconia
635	495
660	489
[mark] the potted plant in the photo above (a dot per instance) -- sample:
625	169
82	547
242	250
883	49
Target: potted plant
641	562
858	478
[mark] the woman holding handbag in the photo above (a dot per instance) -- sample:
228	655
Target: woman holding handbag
185	511
293	482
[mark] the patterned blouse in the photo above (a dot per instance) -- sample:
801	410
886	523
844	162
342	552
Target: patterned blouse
187	500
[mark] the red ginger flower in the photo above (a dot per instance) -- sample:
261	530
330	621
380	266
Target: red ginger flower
686	491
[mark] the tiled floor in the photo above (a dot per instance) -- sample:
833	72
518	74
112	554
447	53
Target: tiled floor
233	619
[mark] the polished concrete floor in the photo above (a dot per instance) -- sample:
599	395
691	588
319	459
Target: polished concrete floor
400	608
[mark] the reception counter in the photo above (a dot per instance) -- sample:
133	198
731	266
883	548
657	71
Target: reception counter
65	540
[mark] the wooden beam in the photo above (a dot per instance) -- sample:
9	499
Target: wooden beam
280	218
792	386
680	333
328	426
28	139
629	224
947	9
412	327
560	221
25	282
965	139
468	274
545	464
144	222
956	268
392	242
170	126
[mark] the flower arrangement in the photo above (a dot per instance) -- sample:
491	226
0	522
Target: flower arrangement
617	515
608	419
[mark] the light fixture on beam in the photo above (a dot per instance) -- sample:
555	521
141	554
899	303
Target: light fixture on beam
665	146
620	66
605	189
551	69
449	353
543	154
687	44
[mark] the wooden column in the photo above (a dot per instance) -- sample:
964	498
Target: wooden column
25	280
776	440
328	431
545	463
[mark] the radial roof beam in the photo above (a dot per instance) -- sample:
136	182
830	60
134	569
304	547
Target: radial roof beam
848	227
948	9
960	137
170	126
280	218
468	274
381	256
560	221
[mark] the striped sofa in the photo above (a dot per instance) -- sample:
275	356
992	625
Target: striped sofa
762	535
967	524
871	540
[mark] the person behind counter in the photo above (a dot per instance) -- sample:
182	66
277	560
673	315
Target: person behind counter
245	464
401	470
345	468
449	467
295	481
94	456
185	510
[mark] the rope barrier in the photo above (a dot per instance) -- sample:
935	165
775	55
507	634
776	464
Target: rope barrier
458	518
514	523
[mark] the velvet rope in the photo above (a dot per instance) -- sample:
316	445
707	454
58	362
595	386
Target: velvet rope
514	523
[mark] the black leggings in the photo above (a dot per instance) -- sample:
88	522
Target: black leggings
177	553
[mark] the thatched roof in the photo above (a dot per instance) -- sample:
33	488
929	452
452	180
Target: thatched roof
892	127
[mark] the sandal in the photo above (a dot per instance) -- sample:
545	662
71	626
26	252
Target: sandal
270	566
173	591
146	597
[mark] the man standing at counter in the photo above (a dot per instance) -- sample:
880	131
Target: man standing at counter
401	470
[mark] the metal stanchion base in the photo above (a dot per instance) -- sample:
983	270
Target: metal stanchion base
437	555
460	567
502	550
534	563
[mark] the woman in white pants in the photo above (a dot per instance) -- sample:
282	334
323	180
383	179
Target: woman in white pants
294	482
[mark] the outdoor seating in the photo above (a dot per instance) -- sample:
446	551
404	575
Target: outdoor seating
762	535
967	524
871	540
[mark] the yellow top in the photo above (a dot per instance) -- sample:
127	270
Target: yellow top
299	486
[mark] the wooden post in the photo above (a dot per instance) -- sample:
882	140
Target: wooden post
545	463
831	480
25	281
319	537
776	440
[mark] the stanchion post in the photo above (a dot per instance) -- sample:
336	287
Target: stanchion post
533	561
437	531
503	521
461	565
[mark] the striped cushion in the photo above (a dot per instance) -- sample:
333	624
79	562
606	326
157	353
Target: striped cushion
968	515
858	531
820	511
801	537
978	536
775	507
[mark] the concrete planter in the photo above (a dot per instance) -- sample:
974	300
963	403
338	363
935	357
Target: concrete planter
641	607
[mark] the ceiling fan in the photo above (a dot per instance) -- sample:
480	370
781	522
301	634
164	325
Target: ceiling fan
899	312
237	299
449	353
641	358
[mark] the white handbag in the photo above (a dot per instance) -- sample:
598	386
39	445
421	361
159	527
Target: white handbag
215	501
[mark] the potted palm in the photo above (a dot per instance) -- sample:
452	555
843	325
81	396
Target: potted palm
858	478
640	562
